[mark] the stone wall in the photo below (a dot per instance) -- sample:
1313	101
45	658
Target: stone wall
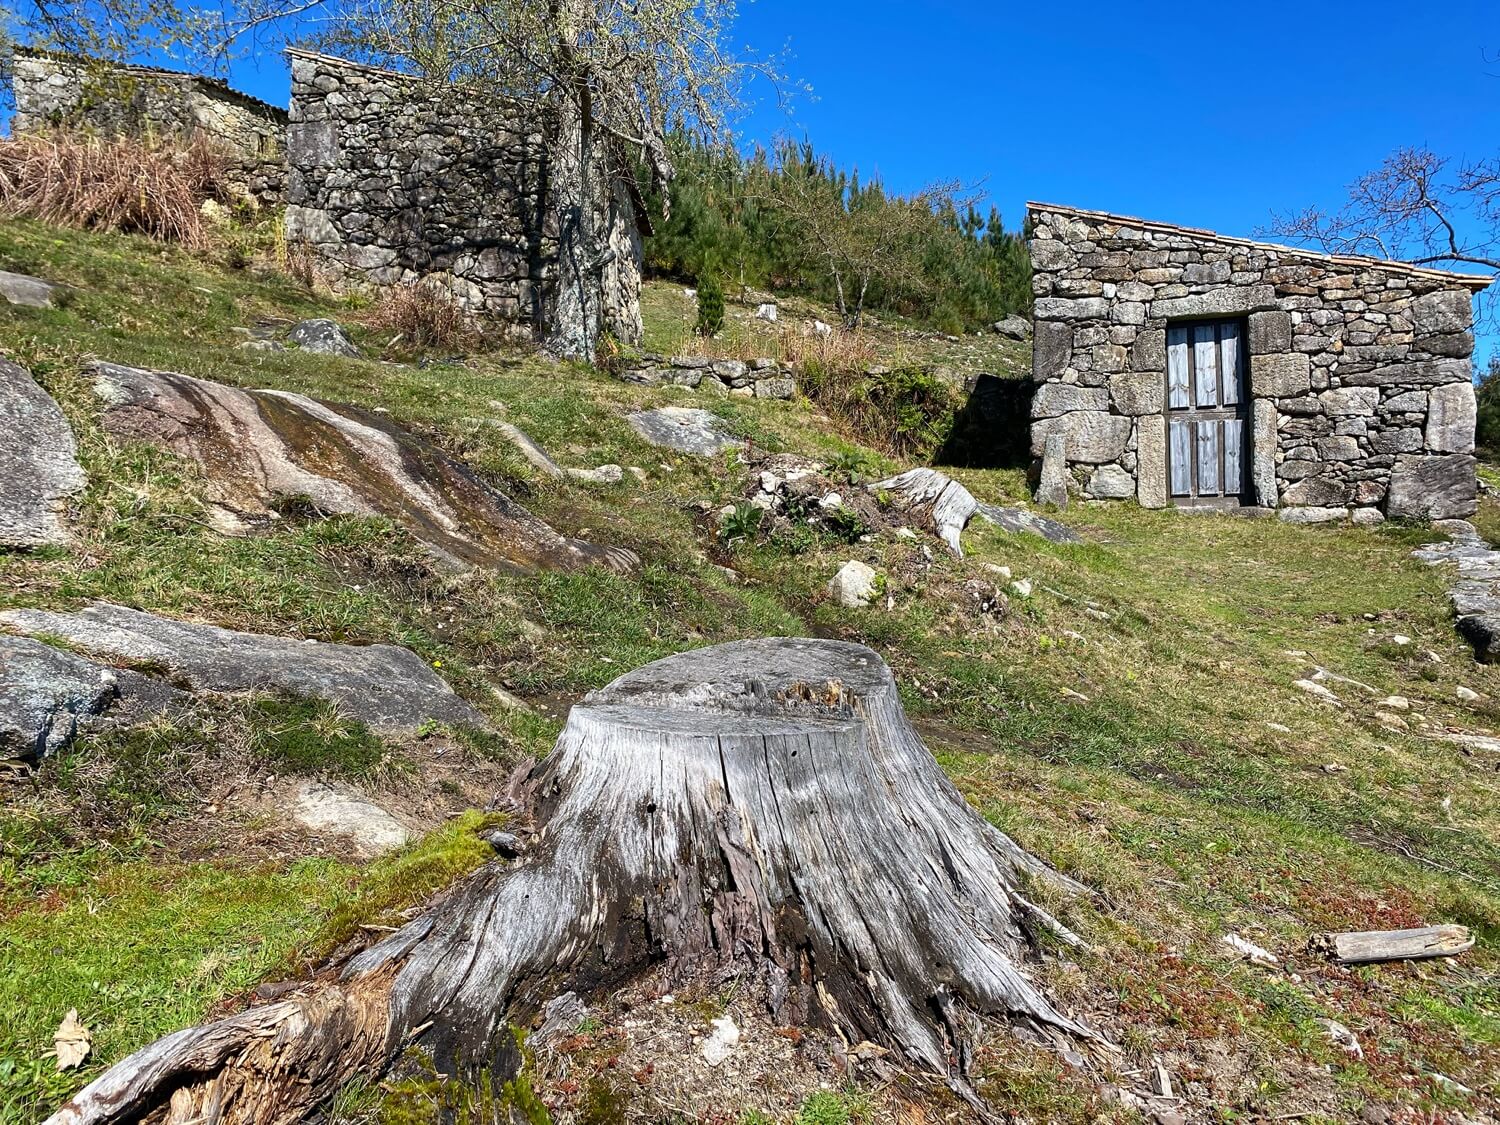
390	181
758	378
1360	397
59	91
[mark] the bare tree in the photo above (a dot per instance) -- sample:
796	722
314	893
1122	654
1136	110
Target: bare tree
1417	207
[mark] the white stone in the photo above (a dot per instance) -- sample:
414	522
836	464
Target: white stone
769	482
369	828
1467	695
853	586
831	502
766	311
1317	691
721	1042
1021	587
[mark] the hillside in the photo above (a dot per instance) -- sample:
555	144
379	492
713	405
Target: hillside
1126	711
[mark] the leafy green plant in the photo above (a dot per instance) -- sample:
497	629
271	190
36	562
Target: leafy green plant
710	305
741	524
845	524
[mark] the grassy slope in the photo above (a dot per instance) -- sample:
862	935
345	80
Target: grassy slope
1159	781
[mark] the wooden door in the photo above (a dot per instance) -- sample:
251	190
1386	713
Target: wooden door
1206	408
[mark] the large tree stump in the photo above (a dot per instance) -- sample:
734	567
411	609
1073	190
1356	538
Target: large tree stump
760	810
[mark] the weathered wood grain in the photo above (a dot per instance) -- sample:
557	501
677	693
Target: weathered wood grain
760	811
946	505
1371	946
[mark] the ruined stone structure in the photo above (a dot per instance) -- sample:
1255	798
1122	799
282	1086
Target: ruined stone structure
62	91
1182	367
391	182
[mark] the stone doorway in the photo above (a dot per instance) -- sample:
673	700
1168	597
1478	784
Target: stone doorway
1206	408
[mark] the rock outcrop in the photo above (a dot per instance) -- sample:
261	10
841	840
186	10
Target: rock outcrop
1476	592
38	463
26	291
386	687
47	696
370	830
685	429
259	448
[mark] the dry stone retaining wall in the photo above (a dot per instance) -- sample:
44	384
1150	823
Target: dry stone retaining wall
53	91
759	378
1359	388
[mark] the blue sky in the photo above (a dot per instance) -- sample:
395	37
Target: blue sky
1207	114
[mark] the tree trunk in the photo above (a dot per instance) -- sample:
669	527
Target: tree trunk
577	304
761	811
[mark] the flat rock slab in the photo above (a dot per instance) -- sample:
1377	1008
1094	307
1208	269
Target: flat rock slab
47	696
39	466
260	447
1475	590
684	428
1021	522
26	291
386	687
370	829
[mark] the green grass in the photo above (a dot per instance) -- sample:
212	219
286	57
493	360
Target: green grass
1140	758
141	950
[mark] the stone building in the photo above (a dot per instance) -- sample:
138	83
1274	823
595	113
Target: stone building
391	181
63	91
1182	367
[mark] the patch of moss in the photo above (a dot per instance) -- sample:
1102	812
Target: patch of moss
410	876
311	736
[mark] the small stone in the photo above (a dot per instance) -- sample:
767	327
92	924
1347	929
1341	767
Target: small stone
1317	691
853	586
1467	695
721	1041
832	502
769	482
1395	703
766	311
1021	587
506	844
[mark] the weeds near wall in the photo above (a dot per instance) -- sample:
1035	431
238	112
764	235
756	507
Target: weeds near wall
126	184
423	316
907	411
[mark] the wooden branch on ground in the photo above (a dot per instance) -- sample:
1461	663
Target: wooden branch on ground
1394	945
761	812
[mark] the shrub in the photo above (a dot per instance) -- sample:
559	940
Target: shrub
710	305
1487	431
423	315
126	184
907	411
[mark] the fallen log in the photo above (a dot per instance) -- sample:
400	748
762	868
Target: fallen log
760	811
1370	946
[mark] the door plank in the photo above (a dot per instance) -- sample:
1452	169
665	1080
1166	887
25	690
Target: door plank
1234	458
1181	456
1205	367
1208	458
1230	361
1178	395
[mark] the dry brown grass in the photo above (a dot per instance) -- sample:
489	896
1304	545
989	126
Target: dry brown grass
126	184
423	316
